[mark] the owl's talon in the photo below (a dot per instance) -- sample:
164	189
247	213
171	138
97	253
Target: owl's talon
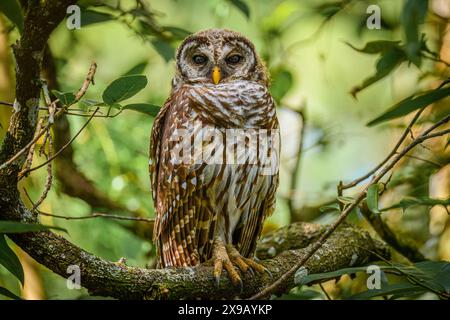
217	282
240	286
222	261
268	272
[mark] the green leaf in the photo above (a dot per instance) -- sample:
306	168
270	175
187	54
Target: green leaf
329	9
345	200
241	6
413	15
124	88
281	84
372	198
147	108
388	61
398	289
89	17
177	33
374	47
5	292
20	227
66	98
420	201
331	207
411	104
137	69
438	273
9	260
164	49
330	275
11	9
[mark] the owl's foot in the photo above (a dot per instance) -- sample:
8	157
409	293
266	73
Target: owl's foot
226	257
222	261
245	264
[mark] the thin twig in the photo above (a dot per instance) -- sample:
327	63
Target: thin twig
93	215
325	291
434	163
7	103
30	156
78	96
98	215
63	147
48	182
314	247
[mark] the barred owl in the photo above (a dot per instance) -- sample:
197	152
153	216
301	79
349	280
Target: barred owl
214	156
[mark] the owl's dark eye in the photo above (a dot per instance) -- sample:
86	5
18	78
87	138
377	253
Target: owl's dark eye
233	59
199	59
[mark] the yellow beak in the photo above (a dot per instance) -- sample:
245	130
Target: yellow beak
216	75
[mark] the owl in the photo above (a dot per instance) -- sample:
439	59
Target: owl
214	154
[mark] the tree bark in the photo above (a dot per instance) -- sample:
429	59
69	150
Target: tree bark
348	246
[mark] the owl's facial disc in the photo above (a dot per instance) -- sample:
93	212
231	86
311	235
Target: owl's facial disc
216	62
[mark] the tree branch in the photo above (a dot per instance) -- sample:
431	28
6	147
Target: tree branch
349	245
408	250
427	134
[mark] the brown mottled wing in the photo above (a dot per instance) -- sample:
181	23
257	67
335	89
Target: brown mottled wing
263	197
183	220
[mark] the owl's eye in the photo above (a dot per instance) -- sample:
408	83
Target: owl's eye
234	59
199	59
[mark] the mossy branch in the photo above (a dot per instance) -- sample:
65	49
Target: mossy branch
348	246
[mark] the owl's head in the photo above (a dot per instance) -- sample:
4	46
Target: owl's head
218	56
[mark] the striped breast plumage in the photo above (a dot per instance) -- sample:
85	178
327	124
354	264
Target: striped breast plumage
214	167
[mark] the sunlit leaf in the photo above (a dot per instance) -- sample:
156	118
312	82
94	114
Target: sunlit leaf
9	260
241	6
411	104
11	9
147	108
123	88
5	292
372	198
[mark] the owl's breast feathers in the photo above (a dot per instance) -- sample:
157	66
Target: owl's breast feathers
200	191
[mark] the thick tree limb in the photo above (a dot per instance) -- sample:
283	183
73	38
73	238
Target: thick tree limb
349	245
40	20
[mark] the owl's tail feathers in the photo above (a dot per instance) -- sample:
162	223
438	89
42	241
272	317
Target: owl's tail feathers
171	253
